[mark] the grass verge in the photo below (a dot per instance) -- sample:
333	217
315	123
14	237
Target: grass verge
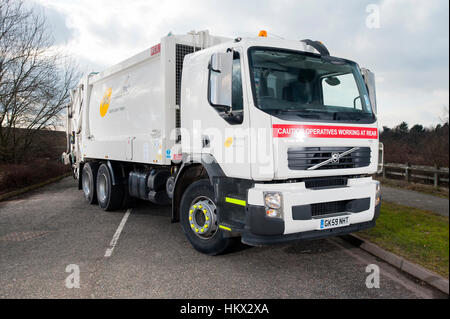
417	235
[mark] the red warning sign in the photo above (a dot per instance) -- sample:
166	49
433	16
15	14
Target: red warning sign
323	131
155	49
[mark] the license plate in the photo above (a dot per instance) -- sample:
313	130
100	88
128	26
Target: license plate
334	222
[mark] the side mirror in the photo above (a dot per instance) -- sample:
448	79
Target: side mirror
369	79
220	86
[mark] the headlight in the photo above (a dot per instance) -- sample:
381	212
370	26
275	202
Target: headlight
272	200
378	194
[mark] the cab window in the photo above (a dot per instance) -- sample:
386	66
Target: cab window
236	114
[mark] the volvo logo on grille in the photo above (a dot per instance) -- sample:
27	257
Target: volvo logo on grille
335	158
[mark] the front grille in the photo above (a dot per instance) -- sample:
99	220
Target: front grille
180	51
306	212
328	208
324	182
302	158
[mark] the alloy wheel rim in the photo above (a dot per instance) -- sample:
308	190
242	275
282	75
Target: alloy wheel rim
86	184
203	218
102	188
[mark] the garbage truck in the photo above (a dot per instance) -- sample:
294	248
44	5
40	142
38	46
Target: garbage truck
260	139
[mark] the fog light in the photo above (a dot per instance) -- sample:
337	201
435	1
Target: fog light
274	213
272	200
378	194
273	205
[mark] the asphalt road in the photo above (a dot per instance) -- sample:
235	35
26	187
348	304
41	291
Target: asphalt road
410	198
43	232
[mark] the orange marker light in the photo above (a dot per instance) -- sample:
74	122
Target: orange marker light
262	33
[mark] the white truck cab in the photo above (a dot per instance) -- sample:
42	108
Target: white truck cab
262	139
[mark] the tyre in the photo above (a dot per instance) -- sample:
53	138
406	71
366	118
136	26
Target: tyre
199	220
88	182
109	196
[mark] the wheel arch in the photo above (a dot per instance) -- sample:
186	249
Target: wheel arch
118	174
193	169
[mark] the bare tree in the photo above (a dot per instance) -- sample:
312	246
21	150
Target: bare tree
35	79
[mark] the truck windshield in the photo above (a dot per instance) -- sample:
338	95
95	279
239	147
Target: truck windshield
297	85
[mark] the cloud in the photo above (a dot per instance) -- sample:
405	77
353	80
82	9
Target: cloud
56	21
408	53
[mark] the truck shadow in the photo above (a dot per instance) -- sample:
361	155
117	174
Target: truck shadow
305	247
142	207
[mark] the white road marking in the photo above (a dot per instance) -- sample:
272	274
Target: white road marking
115	238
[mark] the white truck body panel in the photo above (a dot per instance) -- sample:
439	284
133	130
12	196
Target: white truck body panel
137	97
141	92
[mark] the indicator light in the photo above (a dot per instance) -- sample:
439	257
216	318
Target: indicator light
273	213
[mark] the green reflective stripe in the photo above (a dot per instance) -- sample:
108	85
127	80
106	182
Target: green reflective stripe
235	201
223	227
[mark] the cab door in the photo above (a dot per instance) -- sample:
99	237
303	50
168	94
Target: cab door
225	133
260	128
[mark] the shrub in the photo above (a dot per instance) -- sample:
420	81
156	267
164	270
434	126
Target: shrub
15	176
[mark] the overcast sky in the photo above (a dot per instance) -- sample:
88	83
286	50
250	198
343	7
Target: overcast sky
408	49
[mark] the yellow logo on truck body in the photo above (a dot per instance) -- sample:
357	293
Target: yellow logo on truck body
228	142
104	104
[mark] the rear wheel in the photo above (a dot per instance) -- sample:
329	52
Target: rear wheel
199	220
88	182
109	196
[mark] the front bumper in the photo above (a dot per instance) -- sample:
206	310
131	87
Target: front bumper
259	229
271	227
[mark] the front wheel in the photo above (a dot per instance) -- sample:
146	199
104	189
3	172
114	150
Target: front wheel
198	217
